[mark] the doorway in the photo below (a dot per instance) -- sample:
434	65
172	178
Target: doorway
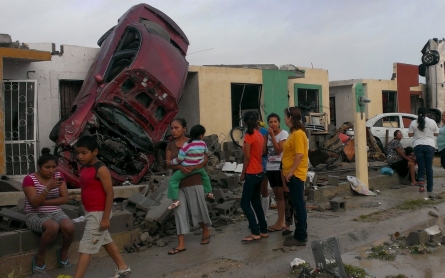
244	97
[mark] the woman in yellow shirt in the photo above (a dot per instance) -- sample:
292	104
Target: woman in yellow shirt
295	166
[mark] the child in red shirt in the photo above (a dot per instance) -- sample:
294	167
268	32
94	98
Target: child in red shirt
97	198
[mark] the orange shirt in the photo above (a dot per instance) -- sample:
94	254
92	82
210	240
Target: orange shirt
256	142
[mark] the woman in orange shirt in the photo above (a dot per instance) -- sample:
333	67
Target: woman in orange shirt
252	176
295	166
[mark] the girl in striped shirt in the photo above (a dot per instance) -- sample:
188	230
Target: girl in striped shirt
190	156
45	190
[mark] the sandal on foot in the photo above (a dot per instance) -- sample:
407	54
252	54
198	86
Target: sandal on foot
174	205
60	263
37	269
205	240
266	235
175	251
272	229
210	195
250	239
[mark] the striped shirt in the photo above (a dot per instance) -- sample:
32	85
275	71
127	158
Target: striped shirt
32	180
191	154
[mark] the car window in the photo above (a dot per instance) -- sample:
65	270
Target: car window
379	123
125	53
407	121
391	121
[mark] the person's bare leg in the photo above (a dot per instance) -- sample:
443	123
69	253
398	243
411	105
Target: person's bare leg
205	233
82	265
50	231
412	172
113	251
67	229
181	242
279	197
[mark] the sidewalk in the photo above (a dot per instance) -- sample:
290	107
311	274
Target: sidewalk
226	256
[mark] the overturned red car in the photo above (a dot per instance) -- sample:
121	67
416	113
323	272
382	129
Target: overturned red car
129	97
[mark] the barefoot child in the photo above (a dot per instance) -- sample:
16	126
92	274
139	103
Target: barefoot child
97	198
190	155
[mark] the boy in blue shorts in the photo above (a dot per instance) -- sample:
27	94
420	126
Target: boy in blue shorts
97	198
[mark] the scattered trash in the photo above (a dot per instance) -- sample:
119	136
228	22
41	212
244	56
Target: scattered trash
388	171
359	187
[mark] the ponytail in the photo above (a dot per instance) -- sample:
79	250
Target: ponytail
421	112
250	119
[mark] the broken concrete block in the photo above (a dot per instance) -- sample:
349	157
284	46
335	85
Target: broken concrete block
417	237
220	155
146	204
219	195
227	208
239	168
134	199
337	203
14	220
156	211
229	167
29	240
165	216
333	180
10	243
232	159
434	233
121	221
238	154
218	177
232	181
227	146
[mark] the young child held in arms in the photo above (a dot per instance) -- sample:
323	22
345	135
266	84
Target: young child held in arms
97	198
190	155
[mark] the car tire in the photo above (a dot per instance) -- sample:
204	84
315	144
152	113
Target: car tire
54	134
431	58
105	36
380	145
422	70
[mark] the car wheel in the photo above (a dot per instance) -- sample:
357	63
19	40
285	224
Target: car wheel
422	70
105	36
430	58
380	145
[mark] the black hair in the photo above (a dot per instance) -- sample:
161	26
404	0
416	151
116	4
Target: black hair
88	142
395	132
273	115
421	113
47	156
181	121
295	116
409	150
250	118
195	132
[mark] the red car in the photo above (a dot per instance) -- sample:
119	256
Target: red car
129	97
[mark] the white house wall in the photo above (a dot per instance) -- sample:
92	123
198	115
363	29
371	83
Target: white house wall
73	64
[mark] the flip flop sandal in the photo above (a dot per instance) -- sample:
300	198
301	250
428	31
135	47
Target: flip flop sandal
250	239
210	195
60	263
264	235
37	269
176	251
205	240
174	205
271	229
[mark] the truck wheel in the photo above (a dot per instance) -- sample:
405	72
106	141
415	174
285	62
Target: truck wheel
430	58
422	70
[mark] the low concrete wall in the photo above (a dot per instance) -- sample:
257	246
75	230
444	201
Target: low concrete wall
18	247
325	193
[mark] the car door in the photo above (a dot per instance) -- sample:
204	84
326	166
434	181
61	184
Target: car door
406	121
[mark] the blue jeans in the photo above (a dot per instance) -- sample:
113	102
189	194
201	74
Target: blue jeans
251	194
424	158
296	188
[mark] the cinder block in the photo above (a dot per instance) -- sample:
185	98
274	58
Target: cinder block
133	201
156	211
227	208
10	243
434	233
220	155
29	240
165	216
146	204
70	210
238	154
232	158
121	221
337	204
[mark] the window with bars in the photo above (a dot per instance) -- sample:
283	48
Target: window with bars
389	101
68	92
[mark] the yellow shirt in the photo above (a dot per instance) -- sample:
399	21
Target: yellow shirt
295	143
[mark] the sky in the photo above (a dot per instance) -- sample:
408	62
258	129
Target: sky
350	38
